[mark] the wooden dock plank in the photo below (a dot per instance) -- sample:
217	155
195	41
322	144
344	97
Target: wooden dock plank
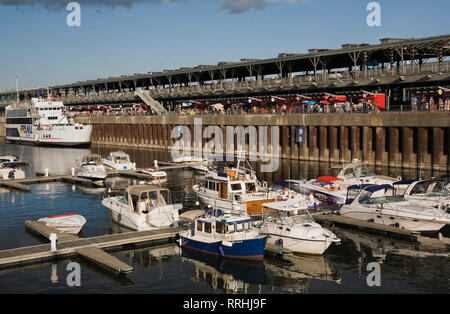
14	185
103	259
31	254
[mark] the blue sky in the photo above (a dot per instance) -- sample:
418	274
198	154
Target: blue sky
39	47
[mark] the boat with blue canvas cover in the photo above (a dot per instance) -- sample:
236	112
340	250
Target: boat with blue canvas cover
228	235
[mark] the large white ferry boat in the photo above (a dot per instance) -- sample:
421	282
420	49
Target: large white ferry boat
44	122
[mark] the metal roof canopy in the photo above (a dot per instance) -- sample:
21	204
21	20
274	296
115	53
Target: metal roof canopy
351	55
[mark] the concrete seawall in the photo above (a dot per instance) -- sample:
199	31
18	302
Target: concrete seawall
416	140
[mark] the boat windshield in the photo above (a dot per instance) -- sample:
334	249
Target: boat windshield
430	189
164	197
303	219
383	199
360	170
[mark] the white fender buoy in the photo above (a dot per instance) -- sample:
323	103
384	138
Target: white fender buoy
53	237
46	172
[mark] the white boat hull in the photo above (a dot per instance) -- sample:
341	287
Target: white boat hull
305	238
304	246
120	213
6	174
54	135
413	223
70	223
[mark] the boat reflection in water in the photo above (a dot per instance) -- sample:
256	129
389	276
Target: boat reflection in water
294	273
291	274
223	275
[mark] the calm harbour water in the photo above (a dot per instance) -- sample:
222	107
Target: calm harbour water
167	269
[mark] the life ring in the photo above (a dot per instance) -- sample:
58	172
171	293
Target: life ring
264	184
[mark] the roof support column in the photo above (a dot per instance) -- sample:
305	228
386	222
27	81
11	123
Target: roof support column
440	60
314	61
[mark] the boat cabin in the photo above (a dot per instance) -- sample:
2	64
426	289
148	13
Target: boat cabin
92	159
378	194
144	198
222	225
353	191
118	157
427	188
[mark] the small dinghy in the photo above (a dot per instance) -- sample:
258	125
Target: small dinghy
156	176
67	223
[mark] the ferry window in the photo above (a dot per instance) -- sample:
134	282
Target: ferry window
230	228
76	128
199	226
239	227
220	227
81	128
246	226
236	186
207	228
211	185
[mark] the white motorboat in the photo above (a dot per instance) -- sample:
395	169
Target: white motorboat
197	163
229	235
11	170
327	189
156	176
425	192
379	204
68	223
235	188
357	172
45	122
91	167
9	158
119	160
295	229
143	207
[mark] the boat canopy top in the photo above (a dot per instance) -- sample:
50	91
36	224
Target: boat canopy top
97	159
404	182
374	188
329	179
139	189
358	187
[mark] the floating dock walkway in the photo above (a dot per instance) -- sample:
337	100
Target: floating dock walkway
42	177
90	249
370	227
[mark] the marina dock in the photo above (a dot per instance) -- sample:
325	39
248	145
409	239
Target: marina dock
370	227
91	249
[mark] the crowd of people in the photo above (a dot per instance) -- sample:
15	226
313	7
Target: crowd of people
256	108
